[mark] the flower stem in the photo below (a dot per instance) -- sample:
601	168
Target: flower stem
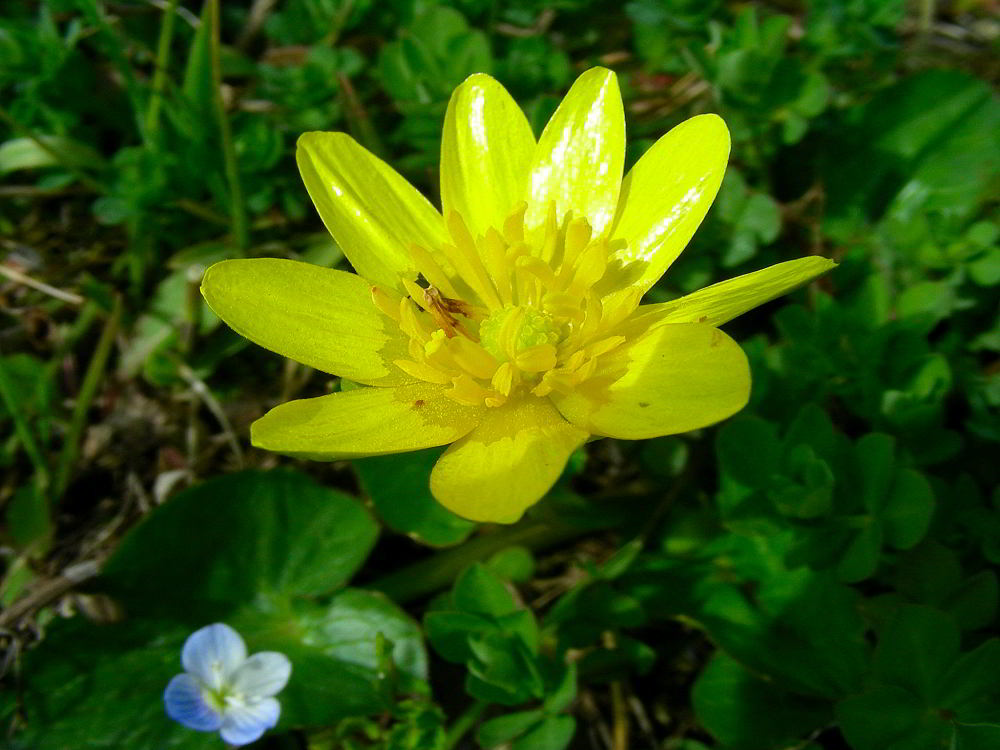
463	724
437	572
91	379
23	430
160	72
238	214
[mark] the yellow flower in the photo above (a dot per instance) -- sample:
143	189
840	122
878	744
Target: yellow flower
508	324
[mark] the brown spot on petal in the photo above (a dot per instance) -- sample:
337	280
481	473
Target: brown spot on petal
418	403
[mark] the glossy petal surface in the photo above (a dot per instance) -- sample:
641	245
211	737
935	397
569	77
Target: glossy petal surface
666	195
507	463
212	653
185	703
671	379
486	152
318	316
580	156
728	299
245	724
365	422
262	675
372	212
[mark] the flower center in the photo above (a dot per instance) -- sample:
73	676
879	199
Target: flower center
510	311
509	331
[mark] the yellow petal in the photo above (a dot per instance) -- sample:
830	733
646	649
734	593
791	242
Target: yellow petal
579	159
372	212
364	422
671	379
318	316
724	301
486	151
507	463
666	195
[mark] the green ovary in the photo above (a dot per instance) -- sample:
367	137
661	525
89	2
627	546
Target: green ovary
513	329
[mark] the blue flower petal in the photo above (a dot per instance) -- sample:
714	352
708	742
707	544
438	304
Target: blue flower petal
244	724
185	703
262	675
213	653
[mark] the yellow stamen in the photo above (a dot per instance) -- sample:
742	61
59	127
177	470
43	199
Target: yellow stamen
536	358
467	391
420	371
513	226
465	248
474	359
503	378
509	309
411	323
387	301
432	270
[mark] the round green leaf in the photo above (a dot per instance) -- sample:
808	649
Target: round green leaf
399	486
236	538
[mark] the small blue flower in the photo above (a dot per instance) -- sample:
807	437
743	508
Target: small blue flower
224	691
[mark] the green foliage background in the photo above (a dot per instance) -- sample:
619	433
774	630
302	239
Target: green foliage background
817	572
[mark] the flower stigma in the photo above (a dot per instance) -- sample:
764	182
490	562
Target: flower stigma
512	311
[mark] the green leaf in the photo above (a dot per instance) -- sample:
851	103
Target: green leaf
860	560
908	509
749	450
916	650
553	733
977	737
971	689
432	56
621	560
399	486
198	85
481	592
927	301
47	151
502	729
926	143
928	573
875	455
974	603
244	535
890	718
29	521
744	712
807	491
323	688
347	628
523	625
559	697
762	217
102	687
799	628
628	657
985	270
515	564
502	670
32	390
812	427
449	633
